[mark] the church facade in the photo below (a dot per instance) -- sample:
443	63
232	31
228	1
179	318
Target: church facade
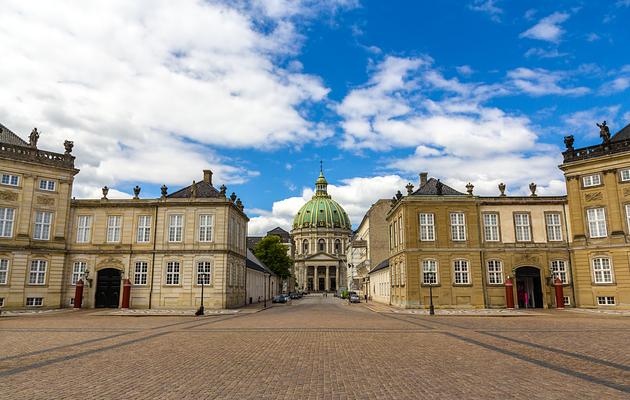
320	235
161	250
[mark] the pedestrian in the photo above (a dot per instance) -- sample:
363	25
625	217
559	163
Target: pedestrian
366	297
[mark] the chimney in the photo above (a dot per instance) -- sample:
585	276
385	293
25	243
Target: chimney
207	176
423	178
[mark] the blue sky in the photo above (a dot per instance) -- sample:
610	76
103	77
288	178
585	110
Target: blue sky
261	91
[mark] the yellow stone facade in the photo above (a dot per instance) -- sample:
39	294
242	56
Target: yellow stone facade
465	247
48	241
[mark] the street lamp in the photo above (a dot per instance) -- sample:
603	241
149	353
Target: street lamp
200	311
431	308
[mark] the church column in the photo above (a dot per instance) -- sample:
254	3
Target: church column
327	284
337	277
315	279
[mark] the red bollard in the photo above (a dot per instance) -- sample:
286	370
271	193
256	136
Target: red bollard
78	294
509	293
126	293
559	293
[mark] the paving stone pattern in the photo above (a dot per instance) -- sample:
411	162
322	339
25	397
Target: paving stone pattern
315	348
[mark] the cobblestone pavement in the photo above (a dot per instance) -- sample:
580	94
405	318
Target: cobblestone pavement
315	348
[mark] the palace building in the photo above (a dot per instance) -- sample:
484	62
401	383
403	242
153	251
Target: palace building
321	232
463	249
162	249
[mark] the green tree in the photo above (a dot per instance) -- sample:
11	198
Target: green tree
273	254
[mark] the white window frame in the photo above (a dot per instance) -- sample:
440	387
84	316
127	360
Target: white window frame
606	300
628	217
84	228
114	228
37	272
78	271
204	266
591	180
522	227
461	272
491	227
35	301
175	228
559	269
596	218
430	268
427	227
10	179
4	271
400	231
206	227
553	220
495	272
48	185
140	273
173	270
42	225
624	175
602	270
567	300
143	232
7	221
458	226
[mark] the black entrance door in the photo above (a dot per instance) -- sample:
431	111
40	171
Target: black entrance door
322	284
529	287
107	288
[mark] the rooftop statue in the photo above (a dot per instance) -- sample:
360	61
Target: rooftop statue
604	132
33	138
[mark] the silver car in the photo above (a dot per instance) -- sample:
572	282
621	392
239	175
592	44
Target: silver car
354	298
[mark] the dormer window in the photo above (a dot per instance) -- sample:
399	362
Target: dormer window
591	180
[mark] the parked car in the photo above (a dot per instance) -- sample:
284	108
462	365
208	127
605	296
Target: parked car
286	296
294	296
354	298
279	299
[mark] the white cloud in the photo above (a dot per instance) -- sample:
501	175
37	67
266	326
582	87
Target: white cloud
464	70
540	82
544	53
144	95
583	122
355	195
620	83
548	28
592	37
488	7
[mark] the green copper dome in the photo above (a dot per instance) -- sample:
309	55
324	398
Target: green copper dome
321	211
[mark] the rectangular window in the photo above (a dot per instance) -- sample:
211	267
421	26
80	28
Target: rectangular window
47	184
495	272
204	272
175	224
84	228
602	270
6	222
391	237
606	300
140	273
567	301
461	271
11	180
113	228
624	174
429	272
37	273
402	274
400	230
78	270
554	227
591	180
1	301
4	271
491	227
458	227
523	228
395	233
144	229
43	221
628	216
559	270
596	222
34	301
427	227
206	221
172	273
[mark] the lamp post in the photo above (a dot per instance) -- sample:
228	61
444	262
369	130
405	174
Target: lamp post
431	308
265	292
200	311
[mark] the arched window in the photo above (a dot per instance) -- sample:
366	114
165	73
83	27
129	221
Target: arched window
337	246
321	244
305	246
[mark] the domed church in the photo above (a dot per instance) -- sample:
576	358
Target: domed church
321	231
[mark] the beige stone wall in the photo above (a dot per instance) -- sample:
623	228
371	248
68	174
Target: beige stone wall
380	286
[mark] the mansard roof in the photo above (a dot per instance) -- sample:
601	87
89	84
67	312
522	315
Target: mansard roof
204	190
380	266
7	136
252	262
623	134
431	189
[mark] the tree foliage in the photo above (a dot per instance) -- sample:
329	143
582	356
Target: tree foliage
273	254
